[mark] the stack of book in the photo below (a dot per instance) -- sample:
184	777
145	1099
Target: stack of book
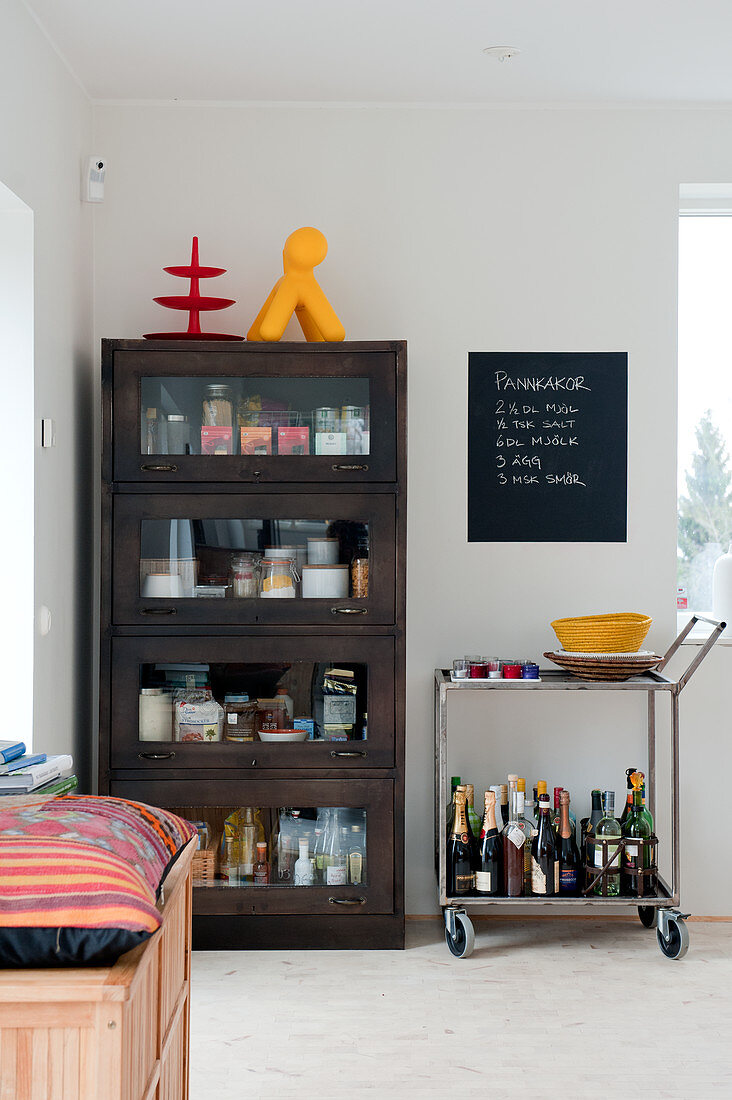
23	773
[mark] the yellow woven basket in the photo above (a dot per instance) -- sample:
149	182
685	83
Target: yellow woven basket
622	632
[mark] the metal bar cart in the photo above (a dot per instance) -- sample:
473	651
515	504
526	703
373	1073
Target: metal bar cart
660	909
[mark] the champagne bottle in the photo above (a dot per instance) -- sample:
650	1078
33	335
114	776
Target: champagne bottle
514	842
489	872
570	864
544	861
635	857
450	809
459	852
607	828
628	797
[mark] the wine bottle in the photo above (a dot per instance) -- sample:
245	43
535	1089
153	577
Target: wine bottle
645	812
505	813
540	790
570	864
514	842
555	811
528	832
595	818
459	852
635	857
628	796
607	828
473	819
489	872
544	861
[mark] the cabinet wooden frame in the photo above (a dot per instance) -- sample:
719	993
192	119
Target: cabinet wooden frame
129	512
375	796
376	483
128	654
238	361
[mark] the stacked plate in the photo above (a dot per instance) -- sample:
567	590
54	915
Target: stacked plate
605	666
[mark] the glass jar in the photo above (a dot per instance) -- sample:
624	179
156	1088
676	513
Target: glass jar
279	579
271	715
218	407
179	435
239	718
360	571
244	576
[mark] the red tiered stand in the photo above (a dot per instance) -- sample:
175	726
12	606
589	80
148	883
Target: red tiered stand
194	302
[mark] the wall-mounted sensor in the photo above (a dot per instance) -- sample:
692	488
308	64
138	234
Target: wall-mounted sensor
92	179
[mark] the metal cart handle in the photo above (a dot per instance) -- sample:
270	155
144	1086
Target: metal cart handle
687	675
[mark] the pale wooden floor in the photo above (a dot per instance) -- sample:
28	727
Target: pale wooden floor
584	1008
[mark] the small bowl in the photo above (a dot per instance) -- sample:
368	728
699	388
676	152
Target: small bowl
274	736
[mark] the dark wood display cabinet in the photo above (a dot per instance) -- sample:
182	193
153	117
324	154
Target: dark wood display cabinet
252	626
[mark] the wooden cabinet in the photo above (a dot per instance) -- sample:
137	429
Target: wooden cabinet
218	453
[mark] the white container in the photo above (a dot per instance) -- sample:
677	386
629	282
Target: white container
162	586
323	551
722	590
155	715
324	582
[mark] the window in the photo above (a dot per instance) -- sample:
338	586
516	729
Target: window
705	395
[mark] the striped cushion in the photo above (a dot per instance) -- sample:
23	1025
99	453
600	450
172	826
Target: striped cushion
79	878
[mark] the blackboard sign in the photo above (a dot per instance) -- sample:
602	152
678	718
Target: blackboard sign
547	446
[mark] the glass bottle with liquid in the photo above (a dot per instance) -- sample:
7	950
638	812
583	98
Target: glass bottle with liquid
303	870
608	829
356	856
460	868
544	855
636	856
489	872
336	869
514	842
570	864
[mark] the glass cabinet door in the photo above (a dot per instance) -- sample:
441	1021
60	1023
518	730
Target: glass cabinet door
217	559
260	854
252	703
264	415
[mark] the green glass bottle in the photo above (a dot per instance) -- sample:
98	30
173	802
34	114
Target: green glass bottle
628	796
475	823
645	812
607	828
635	857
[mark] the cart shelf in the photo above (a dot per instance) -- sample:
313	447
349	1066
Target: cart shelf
660	909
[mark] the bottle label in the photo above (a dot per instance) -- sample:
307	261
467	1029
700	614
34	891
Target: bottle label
600	857
567	879
484	882
556	876
516	836
463	884
336	875
261	878
355	868
538	878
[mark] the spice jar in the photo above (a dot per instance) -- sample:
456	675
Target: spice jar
279	578
360	571
244	570
218	407
239	718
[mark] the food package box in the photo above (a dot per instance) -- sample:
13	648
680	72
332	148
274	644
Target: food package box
293	441
256	441
305	724
330	443
339	710
335	732
217	441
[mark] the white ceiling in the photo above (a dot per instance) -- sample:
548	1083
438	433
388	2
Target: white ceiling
397	51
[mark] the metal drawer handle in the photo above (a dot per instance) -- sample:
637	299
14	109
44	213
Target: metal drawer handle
335	753
158	469
156	755
347	901
158	611
349	466
348	610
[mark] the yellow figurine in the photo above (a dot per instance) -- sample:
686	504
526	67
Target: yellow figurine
298	292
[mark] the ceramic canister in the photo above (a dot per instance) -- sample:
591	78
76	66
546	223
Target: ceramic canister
324	581
162	586
323	551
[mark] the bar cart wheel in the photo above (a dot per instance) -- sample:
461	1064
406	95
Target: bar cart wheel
672	934
459	932
647	914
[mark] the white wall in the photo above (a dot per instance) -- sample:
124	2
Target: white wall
45	127
458	230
